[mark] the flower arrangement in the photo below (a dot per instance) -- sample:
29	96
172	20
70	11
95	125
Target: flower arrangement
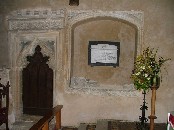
146	67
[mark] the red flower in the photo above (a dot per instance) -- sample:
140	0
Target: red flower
171	120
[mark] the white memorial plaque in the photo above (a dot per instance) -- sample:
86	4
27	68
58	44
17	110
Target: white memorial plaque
103	53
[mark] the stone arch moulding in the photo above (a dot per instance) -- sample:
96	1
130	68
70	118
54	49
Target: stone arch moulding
135	18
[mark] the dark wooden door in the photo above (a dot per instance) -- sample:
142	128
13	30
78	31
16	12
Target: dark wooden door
37	79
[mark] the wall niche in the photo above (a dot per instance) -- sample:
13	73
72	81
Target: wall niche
103	80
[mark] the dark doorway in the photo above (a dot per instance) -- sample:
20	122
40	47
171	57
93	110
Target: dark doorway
37	79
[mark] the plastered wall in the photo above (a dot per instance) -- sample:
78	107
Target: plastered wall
158	32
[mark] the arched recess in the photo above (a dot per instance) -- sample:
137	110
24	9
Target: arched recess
23	44
77	18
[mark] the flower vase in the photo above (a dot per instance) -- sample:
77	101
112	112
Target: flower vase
155	82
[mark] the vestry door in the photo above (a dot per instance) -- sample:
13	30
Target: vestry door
37	80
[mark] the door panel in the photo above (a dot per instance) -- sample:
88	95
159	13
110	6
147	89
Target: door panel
37	79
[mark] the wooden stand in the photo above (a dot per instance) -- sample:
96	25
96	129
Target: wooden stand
152	116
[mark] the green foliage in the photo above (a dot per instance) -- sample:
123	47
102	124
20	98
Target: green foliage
146	67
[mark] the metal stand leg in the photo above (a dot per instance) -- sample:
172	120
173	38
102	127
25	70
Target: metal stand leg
143	119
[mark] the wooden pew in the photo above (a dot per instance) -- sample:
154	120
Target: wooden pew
43	123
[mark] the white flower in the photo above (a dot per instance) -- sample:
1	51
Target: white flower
137	73
142	67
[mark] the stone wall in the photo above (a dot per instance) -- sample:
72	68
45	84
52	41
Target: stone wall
158	32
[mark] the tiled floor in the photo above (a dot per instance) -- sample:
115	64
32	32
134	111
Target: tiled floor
26	122
115	125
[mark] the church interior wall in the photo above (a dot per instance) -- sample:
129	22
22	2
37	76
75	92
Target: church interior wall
88	107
